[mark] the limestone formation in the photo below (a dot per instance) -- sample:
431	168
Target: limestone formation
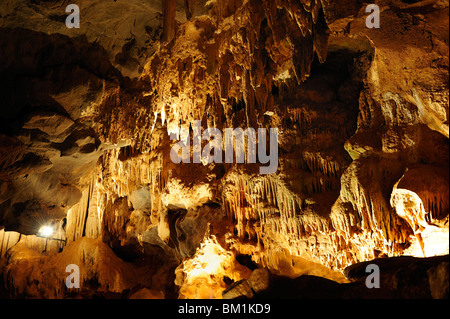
88	116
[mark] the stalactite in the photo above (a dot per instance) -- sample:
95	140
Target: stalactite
276	209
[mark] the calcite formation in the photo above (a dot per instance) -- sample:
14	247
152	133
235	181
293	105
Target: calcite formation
87	116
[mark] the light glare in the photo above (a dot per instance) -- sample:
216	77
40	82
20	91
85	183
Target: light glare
46	231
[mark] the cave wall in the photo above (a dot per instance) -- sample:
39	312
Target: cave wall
362	116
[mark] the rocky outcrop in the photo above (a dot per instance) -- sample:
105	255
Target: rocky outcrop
400	278
29	274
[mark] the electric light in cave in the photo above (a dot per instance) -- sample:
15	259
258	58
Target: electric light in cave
46	231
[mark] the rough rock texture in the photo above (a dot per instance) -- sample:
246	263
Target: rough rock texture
85	121
102	274
401	277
